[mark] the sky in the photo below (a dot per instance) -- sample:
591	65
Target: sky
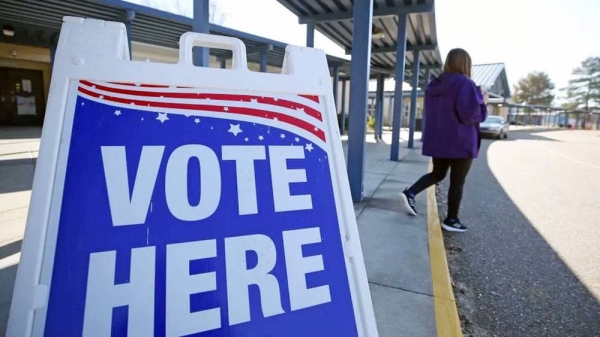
526	35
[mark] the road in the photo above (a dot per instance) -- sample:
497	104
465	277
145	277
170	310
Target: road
530	263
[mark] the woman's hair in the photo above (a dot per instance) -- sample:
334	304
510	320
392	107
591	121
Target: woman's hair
458	61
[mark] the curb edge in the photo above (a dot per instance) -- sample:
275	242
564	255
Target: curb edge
446	312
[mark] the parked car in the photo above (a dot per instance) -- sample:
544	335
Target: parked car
494	126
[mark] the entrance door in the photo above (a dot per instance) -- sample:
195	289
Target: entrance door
4	97
22	99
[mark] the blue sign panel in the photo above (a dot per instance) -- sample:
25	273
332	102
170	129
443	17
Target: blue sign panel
190	214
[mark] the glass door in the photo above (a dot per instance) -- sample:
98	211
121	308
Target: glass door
22	100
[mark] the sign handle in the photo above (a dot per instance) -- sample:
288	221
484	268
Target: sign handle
190	40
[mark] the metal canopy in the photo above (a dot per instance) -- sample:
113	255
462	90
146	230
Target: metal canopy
38	22
333	18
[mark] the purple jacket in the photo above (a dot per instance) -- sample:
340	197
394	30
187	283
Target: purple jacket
454	107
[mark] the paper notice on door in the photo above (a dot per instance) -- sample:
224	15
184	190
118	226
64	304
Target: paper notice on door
26	85
26	105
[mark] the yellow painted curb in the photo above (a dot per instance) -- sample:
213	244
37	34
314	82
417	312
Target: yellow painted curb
446	314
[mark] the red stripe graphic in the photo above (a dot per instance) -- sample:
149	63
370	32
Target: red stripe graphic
222	97
214	108
311	97
138	85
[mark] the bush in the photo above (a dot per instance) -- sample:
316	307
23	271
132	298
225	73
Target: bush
371	122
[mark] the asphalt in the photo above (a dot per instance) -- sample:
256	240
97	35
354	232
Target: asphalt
529	264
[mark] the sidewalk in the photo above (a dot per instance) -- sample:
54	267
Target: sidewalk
534	128
404	255
396	247
18	153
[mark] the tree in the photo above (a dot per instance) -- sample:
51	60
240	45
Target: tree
217	16
569	106
536	89
584	88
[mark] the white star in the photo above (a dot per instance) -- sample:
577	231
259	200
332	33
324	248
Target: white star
197	120
309	147
300	110
211	127
276	118
261	137
162	117
93	86
208	99
161	96
132	103
137	84
282	136
275	99
226	108
142	119
117	112
101	97
235	129
82	103
246	139
254	100
297	139
316	128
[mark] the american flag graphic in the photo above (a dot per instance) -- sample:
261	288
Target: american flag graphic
134	117
296	113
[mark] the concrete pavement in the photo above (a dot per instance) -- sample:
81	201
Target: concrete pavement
18	153
396	247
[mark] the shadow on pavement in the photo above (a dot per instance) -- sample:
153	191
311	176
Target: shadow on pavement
10	249
7	282
509	280
20	175
17	162
20	132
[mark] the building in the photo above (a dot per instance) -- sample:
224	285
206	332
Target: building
492	78
30	31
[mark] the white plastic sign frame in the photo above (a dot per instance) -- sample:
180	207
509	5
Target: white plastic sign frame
71	279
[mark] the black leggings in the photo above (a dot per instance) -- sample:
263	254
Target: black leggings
458	174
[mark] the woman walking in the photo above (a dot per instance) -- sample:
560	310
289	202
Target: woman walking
455	107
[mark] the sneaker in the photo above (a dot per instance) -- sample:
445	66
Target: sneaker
453	225
407	201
